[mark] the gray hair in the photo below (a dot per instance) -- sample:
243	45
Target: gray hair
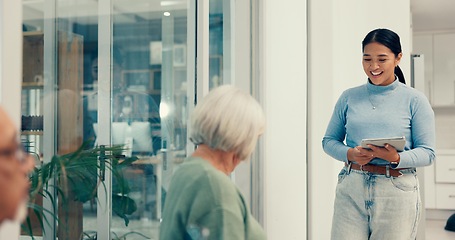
228	119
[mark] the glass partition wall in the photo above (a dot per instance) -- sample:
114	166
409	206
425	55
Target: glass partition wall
116	75
108	86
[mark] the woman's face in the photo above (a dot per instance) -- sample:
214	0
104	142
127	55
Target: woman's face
379	63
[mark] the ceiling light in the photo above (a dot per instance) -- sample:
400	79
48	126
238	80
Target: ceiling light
171	3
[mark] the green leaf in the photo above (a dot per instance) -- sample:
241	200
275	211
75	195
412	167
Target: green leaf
74	176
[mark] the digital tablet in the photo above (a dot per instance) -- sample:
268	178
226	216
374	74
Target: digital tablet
397	142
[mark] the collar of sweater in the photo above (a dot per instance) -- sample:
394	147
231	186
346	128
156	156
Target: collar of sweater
374	89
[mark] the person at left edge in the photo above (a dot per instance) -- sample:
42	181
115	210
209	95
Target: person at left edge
15	165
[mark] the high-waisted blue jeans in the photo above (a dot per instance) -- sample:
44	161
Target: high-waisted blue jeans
376	207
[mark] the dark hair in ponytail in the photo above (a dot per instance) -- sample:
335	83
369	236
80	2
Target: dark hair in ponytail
389	39
399	74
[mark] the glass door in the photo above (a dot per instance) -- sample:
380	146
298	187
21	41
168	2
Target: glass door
149	106
113	86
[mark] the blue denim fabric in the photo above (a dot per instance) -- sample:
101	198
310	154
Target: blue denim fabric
376	207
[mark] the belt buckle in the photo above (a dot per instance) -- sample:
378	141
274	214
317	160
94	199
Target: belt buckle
387	171
349	166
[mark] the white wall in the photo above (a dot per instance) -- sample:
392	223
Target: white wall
240	43
283	34
336	30
321	98
11	56
10	76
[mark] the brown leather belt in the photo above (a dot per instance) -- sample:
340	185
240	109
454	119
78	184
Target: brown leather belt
383	170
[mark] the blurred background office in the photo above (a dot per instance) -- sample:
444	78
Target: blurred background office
295	57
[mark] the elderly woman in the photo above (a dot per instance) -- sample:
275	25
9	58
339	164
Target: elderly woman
202	201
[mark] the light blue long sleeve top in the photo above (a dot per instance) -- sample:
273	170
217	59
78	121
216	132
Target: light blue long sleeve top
370	111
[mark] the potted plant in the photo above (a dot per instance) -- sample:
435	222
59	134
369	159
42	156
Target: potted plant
75	178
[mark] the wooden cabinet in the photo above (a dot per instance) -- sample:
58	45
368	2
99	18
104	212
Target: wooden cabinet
68	88
66	114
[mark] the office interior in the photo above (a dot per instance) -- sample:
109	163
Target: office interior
118	72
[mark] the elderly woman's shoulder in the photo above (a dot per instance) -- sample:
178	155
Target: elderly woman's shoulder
198	167
197	171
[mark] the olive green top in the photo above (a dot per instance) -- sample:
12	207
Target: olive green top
203	203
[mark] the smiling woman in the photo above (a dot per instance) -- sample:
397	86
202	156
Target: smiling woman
380	64
381	56
388	176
